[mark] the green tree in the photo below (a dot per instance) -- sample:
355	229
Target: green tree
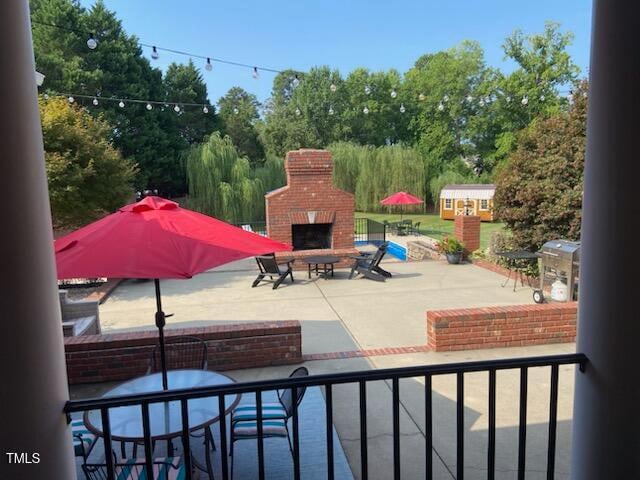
239	112
87	176
539	189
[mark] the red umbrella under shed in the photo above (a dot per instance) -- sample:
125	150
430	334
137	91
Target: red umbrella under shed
155	238
401	198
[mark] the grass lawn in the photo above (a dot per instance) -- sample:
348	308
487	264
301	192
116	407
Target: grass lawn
433	226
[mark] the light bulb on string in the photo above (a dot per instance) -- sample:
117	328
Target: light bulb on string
121	104
208	66
421	97
331	112
402	109
524	100
481	103
296	81
71	99
440	107
154	53
508	99
95	102
176	109
92	43
367	89
333	87
487	99
445	98
394	94
236	111
365	110
46	96
469	98
149	106
298	112
542	98
205	109
255	74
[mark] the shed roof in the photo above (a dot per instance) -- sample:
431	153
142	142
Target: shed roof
471	191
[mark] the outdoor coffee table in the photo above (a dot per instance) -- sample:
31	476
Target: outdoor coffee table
327	261
165	418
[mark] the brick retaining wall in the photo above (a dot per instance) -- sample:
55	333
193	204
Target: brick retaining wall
495	327
121	356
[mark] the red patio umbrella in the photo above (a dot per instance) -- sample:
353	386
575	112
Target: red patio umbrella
401	198
155	238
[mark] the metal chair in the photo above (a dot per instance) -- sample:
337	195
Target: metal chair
275	416
180	353
167	468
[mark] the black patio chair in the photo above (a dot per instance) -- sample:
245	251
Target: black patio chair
269	267
415	229
180	353
275	416
369	265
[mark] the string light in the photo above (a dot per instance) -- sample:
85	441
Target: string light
440	107
365	110
176	109
208	67
295	81
402	109
394	94
542	98
481	103
92	43
508	99
71	99
255	73
205	110
524	100
121	104
149	106
236	111
298	112
445	98
333	87
469	98
331	112
421	97
154	53
367	89
95	102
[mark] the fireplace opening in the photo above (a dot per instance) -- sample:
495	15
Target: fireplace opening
311	236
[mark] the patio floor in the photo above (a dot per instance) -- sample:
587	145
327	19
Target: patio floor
336	314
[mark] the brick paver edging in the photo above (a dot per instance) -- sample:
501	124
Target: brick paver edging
371	352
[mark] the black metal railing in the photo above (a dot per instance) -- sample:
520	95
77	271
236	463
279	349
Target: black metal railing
360	378
370	231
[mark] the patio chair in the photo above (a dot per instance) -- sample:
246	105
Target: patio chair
369	265
269	267
180	353
83	439
415	229
164	468
275	416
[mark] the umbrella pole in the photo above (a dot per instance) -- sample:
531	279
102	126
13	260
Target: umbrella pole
160	323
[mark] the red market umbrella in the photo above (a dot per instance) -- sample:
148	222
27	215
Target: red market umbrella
401	198
155	238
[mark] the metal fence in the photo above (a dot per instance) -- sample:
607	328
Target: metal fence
369	231
361	378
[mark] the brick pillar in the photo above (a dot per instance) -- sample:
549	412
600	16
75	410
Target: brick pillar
467	230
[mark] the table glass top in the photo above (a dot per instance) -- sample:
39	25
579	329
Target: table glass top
165	417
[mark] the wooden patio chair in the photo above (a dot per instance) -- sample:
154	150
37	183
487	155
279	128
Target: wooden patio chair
369	265
269	267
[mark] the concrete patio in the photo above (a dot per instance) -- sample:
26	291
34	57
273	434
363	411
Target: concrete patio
336	314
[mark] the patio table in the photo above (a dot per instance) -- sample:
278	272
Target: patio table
328	261
165	418
514	259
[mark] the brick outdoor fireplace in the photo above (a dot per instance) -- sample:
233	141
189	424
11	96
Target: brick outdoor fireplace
310	213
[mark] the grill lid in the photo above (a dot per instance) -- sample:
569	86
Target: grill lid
561	246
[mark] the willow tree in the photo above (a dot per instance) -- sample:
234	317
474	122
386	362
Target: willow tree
225	185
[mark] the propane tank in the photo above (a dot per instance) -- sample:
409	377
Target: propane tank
559	291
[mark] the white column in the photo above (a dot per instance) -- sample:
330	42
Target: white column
606	425
33	383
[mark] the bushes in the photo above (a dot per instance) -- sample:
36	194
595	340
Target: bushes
224	185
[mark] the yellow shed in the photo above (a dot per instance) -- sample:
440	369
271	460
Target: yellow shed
471	199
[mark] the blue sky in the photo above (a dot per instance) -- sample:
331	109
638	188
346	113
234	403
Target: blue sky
342	34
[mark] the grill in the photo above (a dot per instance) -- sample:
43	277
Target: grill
560	261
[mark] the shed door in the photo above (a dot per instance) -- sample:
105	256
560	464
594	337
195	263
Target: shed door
470	207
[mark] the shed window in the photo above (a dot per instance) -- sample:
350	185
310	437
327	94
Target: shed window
484	204
448	204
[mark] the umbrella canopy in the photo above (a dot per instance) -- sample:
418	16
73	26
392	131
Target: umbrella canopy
401	198
155	238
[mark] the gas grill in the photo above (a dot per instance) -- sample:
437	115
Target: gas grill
559	266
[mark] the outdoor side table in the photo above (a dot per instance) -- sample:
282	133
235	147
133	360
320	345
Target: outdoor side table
327	261
514	258
165	418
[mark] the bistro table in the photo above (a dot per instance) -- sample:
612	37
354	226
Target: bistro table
328	261
165	418
515	259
